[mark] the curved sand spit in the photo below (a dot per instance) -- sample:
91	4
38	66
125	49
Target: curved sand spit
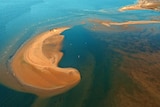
36	65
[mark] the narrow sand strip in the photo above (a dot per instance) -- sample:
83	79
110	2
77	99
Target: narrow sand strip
109	23
129	23
36	64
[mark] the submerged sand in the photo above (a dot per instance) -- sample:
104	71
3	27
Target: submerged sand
35	65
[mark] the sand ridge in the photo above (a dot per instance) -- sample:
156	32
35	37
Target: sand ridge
36	65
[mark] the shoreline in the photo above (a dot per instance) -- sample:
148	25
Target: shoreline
38	71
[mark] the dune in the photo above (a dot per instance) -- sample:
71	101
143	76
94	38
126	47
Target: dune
35	65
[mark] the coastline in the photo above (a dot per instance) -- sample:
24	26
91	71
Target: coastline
35	71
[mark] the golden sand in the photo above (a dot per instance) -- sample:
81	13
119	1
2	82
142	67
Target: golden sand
35	65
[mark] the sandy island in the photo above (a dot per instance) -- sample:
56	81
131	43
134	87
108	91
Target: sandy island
143	5
35	65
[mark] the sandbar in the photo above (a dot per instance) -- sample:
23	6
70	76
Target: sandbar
108	23
129	23
35	65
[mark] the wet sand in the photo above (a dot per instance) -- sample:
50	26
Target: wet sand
35	65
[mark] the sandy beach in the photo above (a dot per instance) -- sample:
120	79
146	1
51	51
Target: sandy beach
35	65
